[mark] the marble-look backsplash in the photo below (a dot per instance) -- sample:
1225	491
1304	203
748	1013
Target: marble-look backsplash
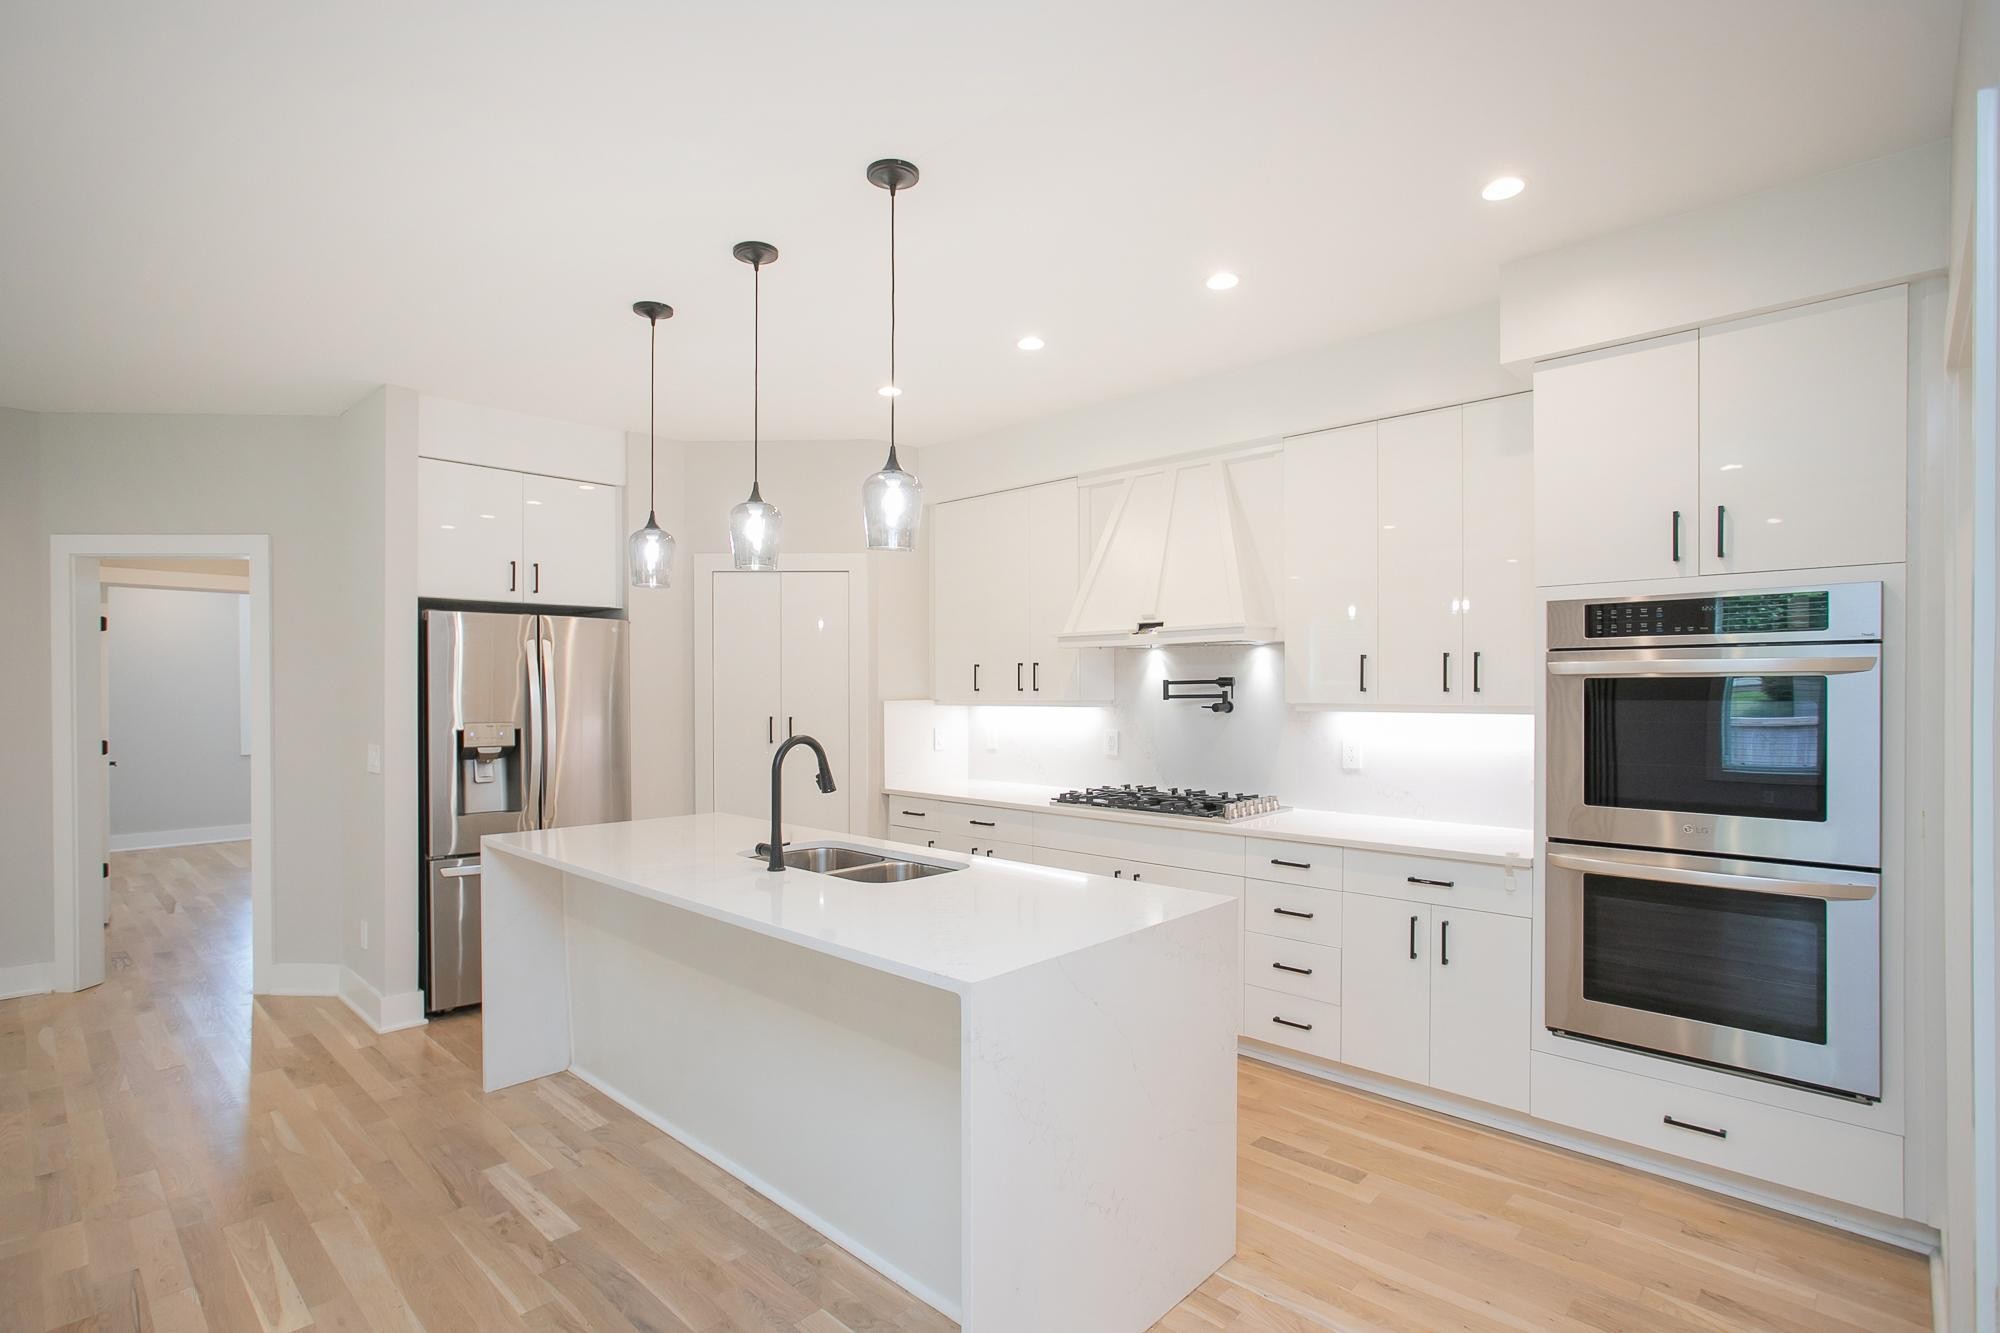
1473	768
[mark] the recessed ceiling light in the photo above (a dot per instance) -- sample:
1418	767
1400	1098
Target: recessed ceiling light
585	486
534	502
1221	282
1031	344
489	515
888	391
1502	187
448	526
1732	467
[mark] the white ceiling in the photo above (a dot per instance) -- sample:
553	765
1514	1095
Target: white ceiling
272	207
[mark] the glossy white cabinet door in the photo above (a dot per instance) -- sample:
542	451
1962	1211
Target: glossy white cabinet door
813	632
468	532
1804	432
1617	450
1054	563
1420	536
1385	991
1329	595
1503	668
1480	978
957	572
1006	594
748	696
571	542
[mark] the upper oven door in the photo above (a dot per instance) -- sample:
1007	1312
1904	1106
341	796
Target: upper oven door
1770	750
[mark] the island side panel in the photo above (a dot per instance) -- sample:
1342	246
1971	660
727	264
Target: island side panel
830	1087
524	1022
1100	1103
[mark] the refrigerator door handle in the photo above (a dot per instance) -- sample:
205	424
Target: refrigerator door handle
545	647
531	796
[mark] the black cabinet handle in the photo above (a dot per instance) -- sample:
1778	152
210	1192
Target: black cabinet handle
1699	1129
1286	911
1287	967
930	842
1475	672
770	730
791	726
1431	883
1721	552
975	677
1364	673
1444	944
1018	666
975	851
513	574
1035	676
1303	1027
1135	877
981	823
914	814
537	567
1117	874
1413	937
1447	673
1296	865
1677	536
989	851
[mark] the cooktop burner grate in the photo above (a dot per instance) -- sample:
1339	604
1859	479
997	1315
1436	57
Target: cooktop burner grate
1191	802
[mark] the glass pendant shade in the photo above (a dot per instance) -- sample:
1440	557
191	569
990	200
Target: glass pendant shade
754	529
652	555
892	508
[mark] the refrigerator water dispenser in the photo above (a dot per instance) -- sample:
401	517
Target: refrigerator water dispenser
489	756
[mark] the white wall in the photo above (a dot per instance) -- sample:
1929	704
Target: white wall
175	700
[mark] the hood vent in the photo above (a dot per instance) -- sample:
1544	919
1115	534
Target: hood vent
1187	554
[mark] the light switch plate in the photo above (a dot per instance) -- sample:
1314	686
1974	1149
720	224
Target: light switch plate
374	757
937	738
1350	756
1111	744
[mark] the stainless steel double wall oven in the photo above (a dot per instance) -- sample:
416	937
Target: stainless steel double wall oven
1714	806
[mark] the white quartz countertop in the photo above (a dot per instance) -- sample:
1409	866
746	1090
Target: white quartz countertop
1492	844
952	930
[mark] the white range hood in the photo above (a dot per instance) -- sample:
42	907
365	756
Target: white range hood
1187	553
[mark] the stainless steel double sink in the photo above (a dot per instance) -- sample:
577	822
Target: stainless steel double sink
861	865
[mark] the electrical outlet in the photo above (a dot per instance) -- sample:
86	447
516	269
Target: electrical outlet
1111	745
937	738
374	757
1350	756
364	932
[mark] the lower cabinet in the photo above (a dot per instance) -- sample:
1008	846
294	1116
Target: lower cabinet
994	847
1312	1026
1144	872
1437	995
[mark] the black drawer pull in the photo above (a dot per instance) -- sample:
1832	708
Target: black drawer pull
1287	967
980	823
1303	1027
1295	865
1433	883
1286	911
1444	943
915	814
1699	1129
1413	937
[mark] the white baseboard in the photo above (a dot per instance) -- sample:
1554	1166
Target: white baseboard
300	979
937	1300
179	837
384	1013
1900	1232
25	979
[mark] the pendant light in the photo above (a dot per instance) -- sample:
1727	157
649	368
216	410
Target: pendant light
652	548
892	501
754	526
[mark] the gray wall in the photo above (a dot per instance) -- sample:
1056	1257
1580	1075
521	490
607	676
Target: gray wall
175	714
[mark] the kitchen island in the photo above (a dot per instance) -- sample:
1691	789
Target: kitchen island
1010	1088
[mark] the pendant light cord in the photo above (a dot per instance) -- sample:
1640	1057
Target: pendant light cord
892	323
652	399
756	371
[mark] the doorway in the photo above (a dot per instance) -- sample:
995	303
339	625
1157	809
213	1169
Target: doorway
82	570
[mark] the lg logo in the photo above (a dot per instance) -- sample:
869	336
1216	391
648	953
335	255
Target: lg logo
1698	829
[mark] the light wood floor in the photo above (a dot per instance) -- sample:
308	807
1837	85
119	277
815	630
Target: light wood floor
173	1156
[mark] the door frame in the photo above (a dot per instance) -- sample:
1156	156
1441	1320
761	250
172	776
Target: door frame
863	760
68	723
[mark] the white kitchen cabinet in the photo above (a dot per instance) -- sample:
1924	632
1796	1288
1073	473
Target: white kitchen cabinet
780	667
468	532
1479	1006
572	539
1004	571
998	849
1804	431
1330	596
1421	552
1385	988
1617	443
1502	648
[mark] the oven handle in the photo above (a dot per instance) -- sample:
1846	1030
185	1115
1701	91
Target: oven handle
1711	666
1708	879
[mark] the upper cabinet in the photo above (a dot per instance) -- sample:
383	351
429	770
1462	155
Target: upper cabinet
1766	444
1408	561
1004	570
492	535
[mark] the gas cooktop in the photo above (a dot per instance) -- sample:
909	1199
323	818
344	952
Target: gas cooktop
1189	802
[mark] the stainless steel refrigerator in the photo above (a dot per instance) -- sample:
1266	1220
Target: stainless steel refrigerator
523	727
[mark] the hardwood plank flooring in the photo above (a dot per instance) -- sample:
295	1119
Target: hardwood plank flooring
174	1156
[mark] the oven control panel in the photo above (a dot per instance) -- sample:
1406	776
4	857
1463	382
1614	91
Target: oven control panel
1751	613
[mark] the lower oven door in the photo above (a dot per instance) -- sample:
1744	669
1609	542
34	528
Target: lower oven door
1769	970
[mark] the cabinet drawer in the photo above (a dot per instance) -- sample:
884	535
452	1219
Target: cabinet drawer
916	837
915	812
1291	912
1425	879
1312	1026
1195	850
1309	970
1802	1152
1140	872
1292	862
977	821
997	848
